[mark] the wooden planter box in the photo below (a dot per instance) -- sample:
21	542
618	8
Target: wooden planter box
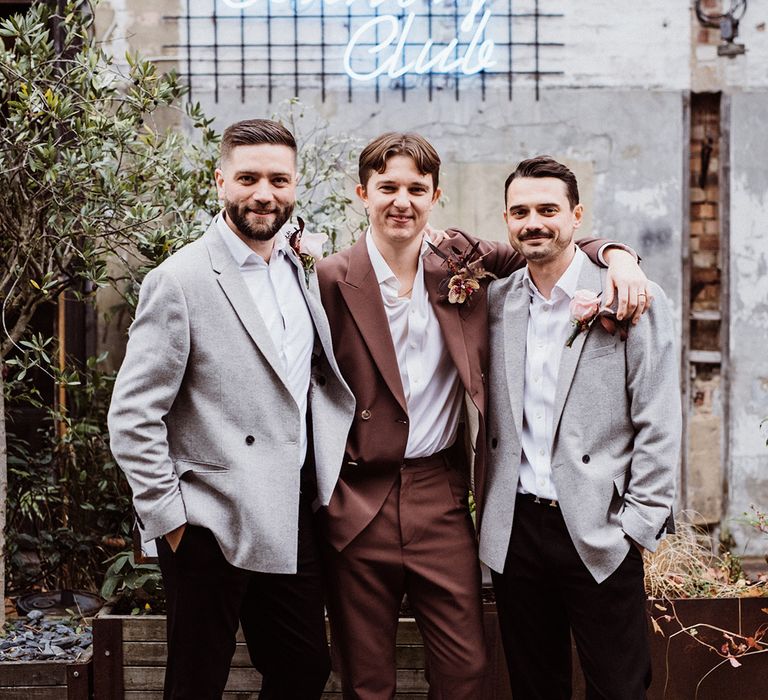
684	669
45	680
129	657
130	653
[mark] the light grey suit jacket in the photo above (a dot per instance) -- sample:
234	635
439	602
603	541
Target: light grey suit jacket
202	421
617	424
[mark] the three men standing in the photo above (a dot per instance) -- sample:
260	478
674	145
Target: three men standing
584	438
232	419
229	417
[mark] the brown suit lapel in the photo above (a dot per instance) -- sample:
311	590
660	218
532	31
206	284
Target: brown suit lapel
360	290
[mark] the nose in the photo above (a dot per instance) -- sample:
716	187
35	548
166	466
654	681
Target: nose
401	199
532	222
262	192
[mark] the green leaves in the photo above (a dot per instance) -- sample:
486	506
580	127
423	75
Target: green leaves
88	177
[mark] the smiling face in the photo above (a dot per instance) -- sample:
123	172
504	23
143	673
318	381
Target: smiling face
398	201
540	220
257	184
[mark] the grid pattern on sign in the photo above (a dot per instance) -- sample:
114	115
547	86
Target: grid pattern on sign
299	45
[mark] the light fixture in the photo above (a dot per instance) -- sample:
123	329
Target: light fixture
727	23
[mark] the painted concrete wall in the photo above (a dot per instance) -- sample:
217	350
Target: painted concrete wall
615	115
748	314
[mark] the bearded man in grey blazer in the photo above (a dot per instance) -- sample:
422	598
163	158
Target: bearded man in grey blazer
229	418
583	435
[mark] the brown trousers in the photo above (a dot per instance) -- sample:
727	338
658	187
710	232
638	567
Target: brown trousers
421	543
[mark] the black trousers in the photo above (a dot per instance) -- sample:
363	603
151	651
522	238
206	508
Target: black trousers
546	593
282	617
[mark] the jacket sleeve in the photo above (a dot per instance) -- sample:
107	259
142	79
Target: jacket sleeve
145	389
654	393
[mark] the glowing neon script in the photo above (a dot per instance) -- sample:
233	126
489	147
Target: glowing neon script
394	65
476	56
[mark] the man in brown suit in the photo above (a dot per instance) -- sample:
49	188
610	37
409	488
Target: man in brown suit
410	348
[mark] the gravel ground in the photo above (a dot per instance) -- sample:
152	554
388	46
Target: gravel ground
38	638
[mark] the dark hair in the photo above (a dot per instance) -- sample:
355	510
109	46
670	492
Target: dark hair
546	166
375	155
254	132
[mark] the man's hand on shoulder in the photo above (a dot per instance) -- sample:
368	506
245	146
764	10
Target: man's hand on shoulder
626	283
173	538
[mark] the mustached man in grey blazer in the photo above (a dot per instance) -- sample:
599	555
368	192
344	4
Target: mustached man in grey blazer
229	418
583	444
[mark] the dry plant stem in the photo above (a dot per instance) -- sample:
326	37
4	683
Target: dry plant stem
685	567
750	646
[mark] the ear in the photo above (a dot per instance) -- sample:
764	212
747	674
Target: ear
219	177
438	193
362	194
578	215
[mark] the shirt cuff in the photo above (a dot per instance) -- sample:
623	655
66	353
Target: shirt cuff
605	247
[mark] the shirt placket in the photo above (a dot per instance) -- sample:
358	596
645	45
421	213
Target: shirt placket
542	333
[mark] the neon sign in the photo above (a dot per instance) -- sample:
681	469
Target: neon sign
467	52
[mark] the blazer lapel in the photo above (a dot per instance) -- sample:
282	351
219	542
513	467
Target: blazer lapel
360	290
311	292
515	325
589	278
448	316
231	282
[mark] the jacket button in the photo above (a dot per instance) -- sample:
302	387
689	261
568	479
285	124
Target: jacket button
365	414
321	380
249	440
494	443
585	459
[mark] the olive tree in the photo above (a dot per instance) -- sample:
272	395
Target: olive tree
88	181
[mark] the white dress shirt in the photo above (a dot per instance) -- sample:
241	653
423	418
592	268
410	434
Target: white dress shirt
549	326
276	292
429	377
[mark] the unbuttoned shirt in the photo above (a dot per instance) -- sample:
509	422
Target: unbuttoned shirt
275	288
429	377
549	325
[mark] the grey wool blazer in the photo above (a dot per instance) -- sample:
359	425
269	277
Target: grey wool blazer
617	429
202	421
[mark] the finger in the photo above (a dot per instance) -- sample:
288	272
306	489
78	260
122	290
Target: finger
623	296
609	292
640	309
648	298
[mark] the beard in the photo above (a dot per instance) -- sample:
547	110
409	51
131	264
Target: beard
265	231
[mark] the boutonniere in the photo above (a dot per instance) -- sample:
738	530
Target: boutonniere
307	246
466	270
585	309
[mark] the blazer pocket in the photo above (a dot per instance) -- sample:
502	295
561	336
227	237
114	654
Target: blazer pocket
598	352
620	482
183	466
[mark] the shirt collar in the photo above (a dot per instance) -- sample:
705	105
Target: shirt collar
240	250
567	282
384	274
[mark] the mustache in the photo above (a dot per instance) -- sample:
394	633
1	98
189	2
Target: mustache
537	233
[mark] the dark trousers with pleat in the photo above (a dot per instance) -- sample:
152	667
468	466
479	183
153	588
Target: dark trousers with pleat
282	617
546	594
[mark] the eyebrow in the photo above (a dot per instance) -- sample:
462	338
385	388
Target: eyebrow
528	206
270	173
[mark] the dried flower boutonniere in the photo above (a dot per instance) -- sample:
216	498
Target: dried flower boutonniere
466	270
307	246
585	308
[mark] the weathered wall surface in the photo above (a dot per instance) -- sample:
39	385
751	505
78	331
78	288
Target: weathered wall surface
615	114
748	313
